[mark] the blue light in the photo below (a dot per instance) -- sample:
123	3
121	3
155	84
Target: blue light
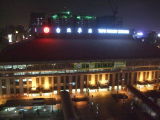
58	30
79	30
90	30
69	30
102	31
139	34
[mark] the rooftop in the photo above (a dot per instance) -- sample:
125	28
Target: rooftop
52	49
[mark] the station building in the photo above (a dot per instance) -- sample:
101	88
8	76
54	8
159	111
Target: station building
45	66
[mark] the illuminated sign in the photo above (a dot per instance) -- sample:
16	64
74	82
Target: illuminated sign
119	64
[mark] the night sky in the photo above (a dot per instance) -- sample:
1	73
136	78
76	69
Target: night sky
140	14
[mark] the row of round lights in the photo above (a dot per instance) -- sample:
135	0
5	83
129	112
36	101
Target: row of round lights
47	30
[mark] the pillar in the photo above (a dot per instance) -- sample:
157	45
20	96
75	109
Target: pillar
0	87
81	83
113	80
21	86
132	78
7	87
58	84
70	84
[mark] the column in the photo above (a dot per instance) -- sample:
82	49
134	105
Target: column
0	87
58	84
70	84
7	87
119	81
81	83
88	79
28	86
154	75
113	80
20	86
138	76
123	79
132	78
64	82
76	80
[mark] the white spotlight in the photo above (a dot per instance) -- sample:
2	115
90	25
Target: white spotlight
79	30
10	38
58	30
69	30
90	30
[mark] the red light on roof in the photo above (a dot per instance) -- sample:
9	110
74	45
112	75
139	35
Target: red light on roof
46	30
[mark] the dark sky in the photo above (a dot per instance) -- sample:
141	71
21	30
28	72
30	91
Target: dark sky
140	14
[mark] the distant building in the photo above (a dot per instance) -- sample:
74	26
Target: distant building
66	19
61	19
37	20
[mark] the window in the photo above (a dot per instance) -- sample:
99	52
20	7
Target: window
67	79
11	82
12	91
3	82
37	80
62	79
25	90
50	80
17	91
85	65
4	91
100	77
7	66
42	80
55	80
17	82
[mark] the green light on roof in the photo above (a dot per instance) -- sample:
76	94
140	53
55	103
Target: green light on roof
66	12
55	16
64	16
89	17
78	17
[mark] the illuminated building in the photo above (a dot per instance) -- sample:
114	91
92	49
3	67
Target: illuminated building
61	19
45	66
66	19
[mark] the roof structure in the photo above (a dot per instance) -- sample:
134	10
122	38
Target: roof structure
52	49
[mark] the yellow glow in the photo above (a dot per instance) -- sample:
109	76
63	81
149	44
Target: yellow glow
80	96
81	104
46	84
103	81
149	76
141	77
92	82
34	86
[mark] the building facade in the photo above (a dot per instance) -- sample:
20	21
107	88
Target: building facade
49	78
